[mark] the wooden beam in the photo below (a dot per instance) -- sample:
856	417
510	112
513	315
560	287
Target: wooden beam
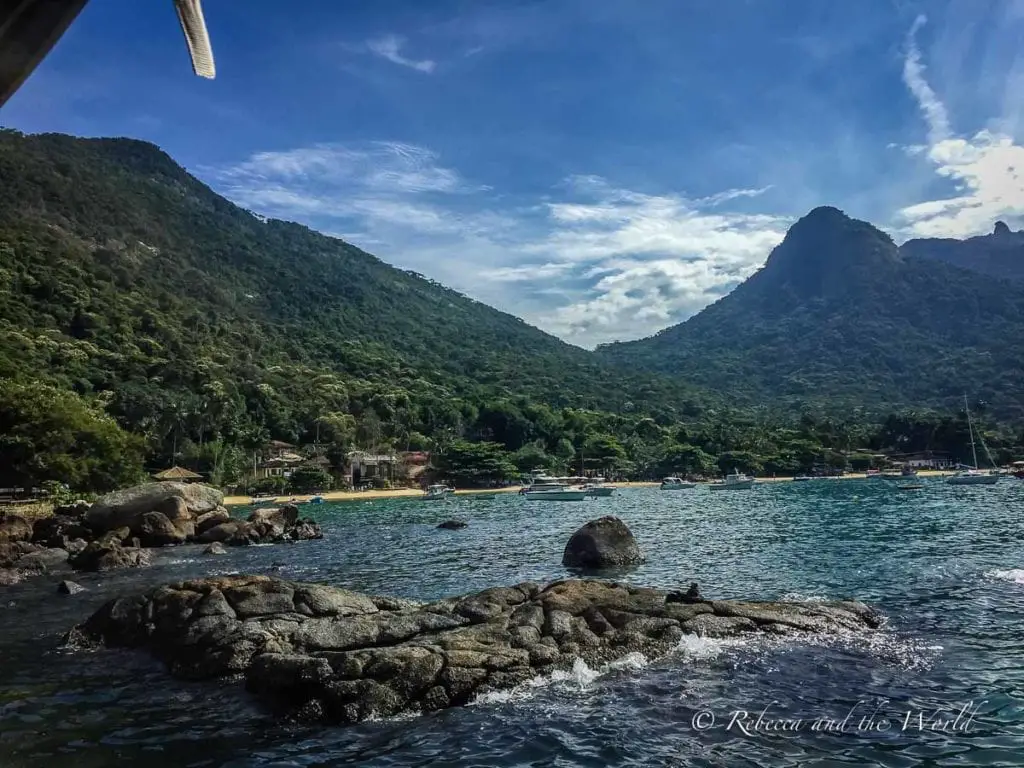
28	31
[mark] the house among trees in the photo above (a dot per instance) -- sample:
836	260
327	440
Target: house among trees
366	467
279	460
923	460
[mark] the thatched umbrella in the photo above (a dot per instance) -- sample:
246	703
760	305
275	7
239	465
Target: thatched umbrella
177	473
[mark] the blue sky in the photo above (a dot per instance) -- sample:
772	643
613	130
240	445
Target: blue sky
602	168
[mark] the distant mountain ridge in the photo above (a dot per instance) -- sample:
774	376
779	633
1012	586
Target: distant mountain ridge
999	254
840	316
123	276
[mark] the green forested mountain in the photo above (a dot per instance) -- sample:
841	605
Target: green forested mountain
127	280
145	320
839	316
1000	254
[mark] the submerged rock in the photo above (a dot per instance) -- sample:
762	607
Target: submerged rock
453	525
344	656
603	543
215	549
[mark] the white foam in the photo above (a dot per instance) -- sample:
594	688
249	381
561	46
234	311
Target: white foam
799	597
579	679
698	648
1016	575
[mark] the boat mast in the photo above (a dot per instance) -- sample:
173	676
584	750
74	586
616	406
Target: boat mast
970	429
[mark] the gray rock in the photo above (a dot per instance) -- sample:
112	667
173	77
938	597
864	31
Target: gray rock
304	530
69	588
281	518
43	561
124	507
216	548
108	554
453	525
602	543
342	656
207	520
155	529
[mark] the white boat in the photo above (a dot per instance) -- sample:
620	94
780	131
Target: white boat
562	493
676	484
801	478
973	476
436	492
542	482
598	490
734	481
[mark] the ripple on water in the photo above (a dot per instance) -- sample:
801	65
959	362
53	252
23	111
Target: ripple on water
938	563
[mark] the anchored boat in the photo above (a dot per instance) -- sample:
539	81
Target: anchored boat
734	481
676	484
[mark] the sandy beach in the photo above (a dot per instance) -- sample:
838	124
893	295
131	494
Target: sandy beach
415	493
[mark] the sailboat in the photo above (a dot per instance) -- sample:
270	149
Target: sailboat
972	476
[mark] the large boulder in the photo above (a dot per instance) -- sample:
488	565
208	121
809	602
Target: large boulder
343	656
276	520
602	543
155	530
125	507
209	519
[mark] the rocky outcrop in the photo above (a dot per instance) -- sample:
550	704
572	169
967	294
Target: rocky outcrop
113	532
108	553
452	525
272	524
603	543
178	502
343	656
59	529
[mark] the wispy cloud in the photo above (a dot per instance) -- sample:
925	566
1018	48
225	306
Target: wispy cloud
602	263
986	170
390	48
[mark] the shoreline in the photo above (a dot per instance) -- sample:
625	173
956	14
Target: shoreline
415	493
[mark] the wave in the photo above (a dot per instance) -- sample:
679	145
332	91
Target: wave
1015	575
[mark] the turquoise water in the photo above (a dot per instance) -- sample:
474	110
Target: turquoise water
945	564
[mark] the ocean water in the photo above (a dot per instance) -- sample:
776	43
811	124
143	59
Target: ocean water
945	564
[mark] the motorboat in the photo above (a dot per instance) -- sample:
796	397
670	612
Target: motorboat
734	481
562	493
676	484
802	478
597	490
436	493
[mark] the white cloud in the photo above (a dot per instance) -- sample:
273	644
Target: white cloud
600	264
986	170
390	48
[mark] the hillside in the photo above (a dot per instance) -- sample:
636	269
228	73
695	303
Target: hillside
840	316
128	280
999	254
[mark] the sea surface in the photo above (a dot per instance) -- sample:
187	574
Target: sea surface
945	564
